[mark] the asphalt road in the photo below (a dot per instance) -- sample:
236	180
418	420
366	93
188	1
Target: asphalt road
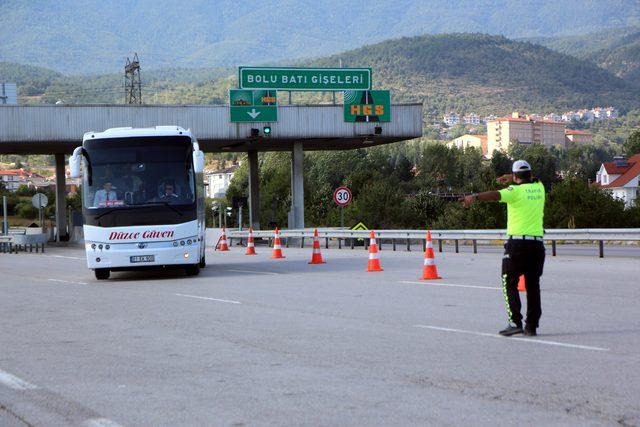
255	341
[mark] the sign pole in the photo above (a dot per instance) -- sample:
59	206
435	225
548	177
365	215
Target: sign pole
240	217
342	196
5	223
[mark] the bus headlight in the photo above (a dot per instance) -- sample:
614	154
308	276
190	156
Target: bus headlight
186	255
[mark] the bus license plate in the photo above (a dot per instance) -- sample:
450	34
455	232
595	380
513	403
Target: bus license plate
143	258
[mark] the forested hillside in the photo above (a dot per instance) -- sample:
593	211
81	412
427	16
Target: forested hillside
487	74
616	50
461	72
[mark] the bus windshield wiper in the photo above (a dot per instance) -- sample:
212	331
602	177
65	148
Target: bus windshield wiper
113	210
166	204
129	206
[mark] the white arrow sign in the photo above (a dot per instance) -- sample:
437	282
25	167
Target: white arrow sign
253	113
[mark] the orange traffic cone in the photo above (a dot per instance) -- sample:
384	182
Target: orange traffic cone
222	243
429	269
277	246
251	249
374	256
316	257
522	285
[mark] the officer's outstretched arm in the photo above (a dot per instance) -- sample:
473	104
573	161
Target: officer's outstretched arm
487	196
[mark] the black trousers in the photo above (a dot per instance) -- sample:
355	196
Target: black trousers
522	257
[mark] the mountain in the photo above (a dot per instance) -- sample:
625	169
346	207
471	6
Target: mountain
461	72
487	74
617	51
95	36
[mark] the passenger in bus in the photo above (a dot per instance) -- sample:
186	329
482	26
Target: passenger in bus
106	194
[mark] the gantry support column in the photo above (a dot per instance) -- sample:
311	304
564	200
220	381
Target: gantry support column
254	190
296	215
61	200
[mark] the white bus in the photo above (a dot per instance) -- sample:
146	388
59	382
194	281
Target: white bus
143	199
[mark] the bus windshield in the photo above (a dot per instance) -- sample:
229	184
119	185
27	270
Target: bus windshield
139	171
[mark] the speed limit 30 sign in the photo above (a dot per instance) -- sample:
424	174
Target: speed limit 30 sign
342	196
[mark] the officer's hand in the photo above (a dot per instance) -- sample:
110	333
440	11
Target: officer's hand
467	201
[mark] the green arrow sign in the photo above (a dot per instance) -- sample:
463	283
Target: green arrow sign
294	78
367	106
253	105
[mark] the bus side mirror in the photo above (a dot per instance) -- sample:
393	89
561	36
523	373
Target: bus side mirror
75	161
198	161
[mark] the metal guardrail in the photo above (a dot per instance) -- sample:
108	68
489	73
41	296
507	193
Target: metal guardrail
554	236
14	243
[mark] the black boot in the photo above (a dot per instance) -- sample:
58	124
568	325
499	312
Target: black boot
511	330
530	331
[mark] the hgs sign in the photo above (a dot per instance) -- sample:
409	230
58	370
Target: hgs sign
367	106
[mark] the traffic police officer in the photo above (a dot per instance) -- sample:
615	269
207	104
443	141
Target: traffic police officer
524	251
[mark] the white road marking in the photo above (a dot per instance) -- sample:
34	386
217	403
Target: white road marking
451	285
528	340
67	281
63	256
14	382
209	299
100	422
254	271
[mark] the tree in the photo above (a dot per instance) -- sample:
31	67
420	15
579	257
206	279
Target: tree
543	163
632	144
573	203
500	163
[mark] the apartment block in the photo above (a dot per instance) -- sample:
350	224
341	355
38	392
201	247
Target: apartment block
524	130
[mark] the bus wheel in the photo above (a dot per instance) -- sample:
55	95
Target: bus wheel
203	261
193	270
102	273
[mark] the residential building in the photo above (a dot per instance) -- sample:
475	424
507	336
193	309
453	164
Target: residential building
219	182
620	178
467	141
523	129
12	179
451	119
612	113
471	119
553	117
579	137
489	118
570	116
586	115
597	113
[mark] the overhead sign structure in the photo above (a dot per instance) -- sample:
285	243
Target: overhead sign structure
302	79
253	105
367	106
342	196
